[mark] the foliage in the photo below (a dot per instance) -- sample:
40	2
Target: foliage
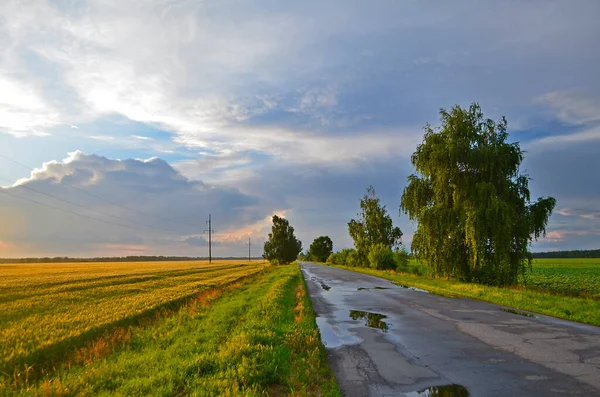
401	260
320	249
353	259
373	226
341	257
475	218
381	257
282	244
258	337
332	259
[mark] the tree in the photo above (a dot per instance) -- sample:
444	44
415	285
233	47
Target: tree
374	226
320	249
282	245
473	207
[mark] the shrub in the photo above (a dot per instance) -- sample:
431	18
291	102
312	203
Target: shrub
401	258
332	258
343	256
353	259
381	257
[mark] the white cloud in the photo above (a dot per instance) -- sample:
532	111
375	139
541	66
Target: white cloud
107	138
22	110
553	237
209	163
201	70
572	107
586	135
160	207
341	151
257	230
186	69
589	211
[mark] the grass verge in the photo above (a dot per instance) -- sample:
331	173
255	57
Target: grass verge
258	339
581	309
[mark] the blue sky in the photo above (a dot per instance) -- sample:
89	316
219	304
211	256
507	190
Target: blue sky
245	109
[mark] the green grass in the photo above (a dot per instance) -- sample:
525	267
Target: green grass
48	310
255	337
549	290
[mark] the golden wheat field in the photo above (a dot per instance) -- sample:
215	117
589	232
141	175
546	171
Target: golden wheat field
46	310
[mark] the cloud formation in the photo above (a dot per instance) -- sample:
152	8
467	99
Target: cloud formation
157	208
275	106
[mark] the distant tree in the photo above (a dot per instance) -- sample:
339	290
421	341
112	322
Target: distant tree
282	246
320	249
568	254
472	204
373	226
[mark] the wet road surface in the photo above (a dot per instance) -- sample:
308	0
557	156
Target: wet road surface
387	340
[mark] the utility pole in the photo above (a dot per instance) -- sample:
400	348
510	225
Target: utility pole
249	257
210	231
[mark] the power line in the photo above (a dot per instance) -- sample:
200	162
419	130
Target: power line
65	210
92	210
210	231
99	197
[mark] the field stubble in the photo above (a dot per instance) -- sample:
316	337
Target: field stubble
247	330
47	310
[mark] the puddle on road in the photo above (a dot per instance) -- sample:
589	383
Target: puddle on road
520	313
411	288
372	320
366	288
340	332
441	391
336	335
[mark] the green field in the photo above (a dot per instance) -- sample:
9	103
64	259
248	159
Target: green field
578	277
164	328
563	288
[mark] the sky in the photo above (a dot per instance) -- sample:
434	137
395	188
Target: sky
124	124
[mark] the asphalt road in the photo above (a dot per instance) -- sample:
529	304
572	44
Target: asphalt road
386	340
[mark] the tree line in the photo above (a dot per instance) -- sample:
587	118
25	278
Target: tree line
472	205
568	254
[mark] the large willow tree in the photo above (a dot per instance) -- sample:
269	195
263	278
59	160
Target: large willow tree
475	216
